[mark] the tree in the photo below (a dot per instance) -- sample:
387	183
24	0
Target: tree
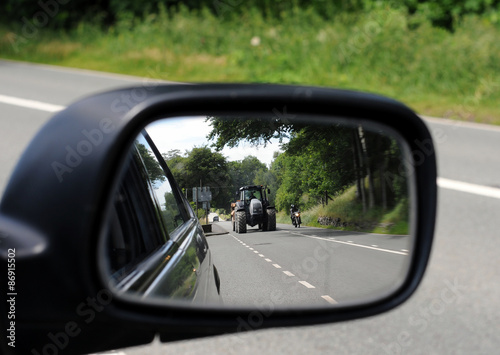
155	172
319	159
244	172
202	167
266	177
229	132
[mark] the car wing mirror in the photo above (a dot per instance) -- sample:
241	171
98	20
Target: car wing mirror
120	255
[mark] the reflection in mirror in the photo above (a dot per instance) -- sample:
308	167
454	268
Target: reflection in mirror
301	212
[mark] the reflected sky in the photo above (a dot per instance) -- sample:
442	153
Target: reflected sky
185	133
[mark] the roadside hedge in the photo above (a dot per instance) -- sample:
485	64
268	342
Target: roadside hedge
66	14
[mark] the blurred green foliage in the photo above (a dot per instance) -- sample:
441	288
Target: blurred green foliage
453	74
385	50
445	13
67	14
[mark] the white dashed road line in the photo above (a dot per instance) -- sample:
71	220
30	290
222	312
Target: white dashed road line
329	299
306	284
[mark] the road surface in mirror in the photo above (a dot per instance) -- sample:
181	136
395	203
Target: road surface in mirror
305	266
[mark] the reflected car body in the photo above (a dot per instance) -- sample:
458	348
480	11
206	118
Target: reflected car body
157	249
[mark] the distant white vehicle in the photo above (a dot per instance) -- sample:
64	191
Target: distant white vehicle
214	217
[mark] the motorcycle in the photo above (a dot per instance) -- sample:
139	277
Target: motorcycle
296	219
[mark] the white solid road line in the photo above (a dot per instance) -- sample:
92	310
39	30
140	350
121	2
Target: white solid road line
461	124
442	182
358	245
468	187
36	105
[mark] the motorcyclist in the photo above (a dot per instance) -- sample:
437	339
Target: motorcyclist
293	209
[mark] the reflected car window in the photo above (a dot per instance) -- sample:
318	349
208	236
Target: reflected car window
171	208
146	212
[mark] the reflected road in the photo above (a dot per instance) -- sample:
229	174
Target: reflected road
305	266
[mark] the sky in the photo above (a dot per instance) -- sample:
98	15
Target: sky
185	133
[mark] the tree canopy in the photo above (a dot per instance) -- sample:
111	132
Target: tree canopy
153	168
257	131
203	167
320	161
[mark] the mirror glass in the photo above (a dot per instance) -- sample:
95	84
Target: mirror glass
239	211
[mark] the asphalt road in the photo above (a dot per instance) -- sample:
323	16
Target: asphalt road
456	310
306	266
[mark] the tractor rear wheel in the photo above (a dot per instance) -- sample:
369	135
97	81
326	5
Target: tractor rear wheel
241	222
271	219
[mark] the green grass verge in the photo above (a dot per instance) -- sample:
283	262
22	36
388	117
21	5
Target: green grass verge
438	73
347	210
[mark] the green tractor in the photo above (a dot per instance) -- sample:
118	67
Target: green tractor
253	208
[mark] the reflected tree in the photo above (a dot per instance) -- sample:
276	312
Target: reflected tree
153	168
202	167
322	159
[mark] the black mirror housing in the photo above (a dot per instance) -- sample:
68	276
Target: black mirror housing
51	217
